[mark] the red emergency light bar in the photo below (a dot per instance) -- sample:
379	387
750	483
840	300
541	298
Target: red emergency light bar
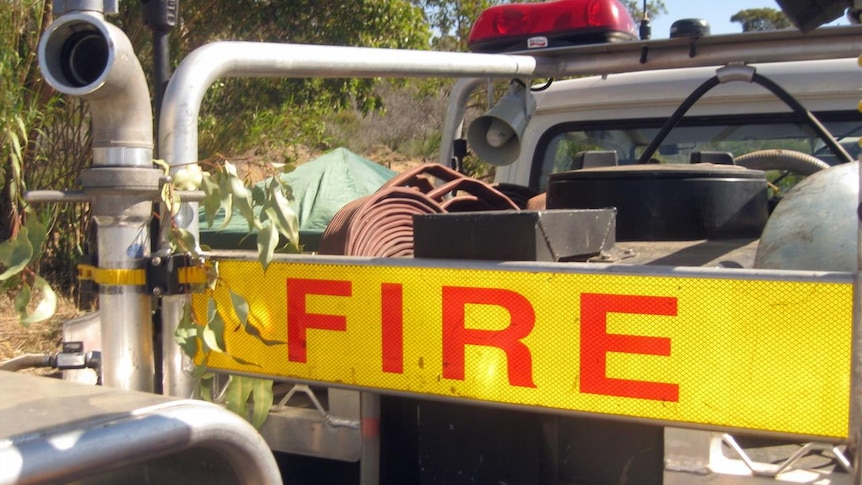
523	26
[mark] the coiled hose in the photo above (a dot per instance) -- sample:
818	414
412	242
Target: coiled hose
778	159
381	224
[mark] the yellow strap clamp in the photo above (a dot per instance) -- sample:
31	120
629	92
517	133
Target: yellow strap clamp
136	277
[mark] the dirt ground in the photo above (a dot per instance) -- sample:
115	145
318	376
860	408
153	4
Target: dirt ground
43	337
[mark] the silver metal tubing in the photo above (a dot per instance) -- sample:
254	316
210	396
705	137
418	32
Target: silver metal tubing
55	431
82	55
178	124
101	6
26	361
127	334
126	322
58	196
718	50
123	156
455	114
177	367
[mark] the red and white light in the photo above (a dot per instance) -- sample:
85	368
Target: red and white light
523	26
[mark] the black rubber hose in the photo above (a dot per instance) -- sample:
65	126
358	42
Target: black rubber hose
677	115
806	115
772	87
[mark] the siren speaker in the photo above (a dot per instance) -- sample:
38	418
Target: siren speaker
496	136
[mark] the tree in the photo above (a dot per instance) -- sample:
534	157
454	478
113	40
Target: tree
760	19
654	8
238	114
452	20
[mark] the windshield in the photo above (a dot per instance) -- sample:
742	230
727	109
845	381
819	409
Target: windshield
736	136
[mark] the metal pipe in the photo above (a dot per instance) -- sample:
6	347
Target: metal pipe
26	361
112	440
177	367
854	431
82	55
716	50
452	121
178	134
58	196
369	463
178	123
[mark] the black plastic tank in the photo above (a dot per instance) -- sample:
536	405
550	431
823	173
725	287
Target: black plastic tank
669	202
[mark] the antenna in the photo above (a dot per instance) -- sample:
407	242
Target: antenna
645	29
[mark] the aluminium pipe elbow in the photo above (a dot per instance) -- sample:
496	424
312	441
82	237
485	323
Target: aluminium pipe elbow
82	55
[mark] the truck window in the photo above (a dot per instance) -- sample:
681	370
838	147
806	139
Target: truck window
732	134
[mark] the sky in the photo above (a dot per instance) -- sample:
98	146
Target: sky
716	12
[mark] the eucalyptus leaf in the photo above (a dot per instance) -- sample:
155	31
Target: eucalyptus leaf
46	306
16	145
37	233
286	216
212	276
170	199
15	254
201	369
211	310
242	201
212	197
186	334
230	169
206	387
213	334
261	395
184	241
20	122
163	165
236	395
267	240
226	201
22	300
240	306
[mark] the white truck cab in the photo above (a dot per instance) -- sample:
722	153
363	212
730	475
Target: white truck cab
624	112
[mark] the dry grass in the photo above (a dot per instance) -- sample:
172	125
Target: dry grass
44	337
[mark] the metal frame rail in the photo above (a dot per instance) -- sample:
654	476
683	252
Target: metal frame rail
55	431
178	132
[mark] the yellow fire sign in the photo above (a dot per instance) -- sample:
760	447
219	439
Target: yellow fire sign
756	354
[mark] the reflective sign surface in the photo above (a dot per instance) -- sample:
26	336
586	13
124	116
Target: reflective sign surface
737	353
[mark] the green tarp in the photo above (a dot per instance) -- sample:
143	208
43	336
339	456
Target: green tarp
320	188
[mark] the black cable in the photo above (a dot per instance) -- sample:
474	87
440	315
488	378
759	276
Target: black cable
543	87
806	115
671	122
